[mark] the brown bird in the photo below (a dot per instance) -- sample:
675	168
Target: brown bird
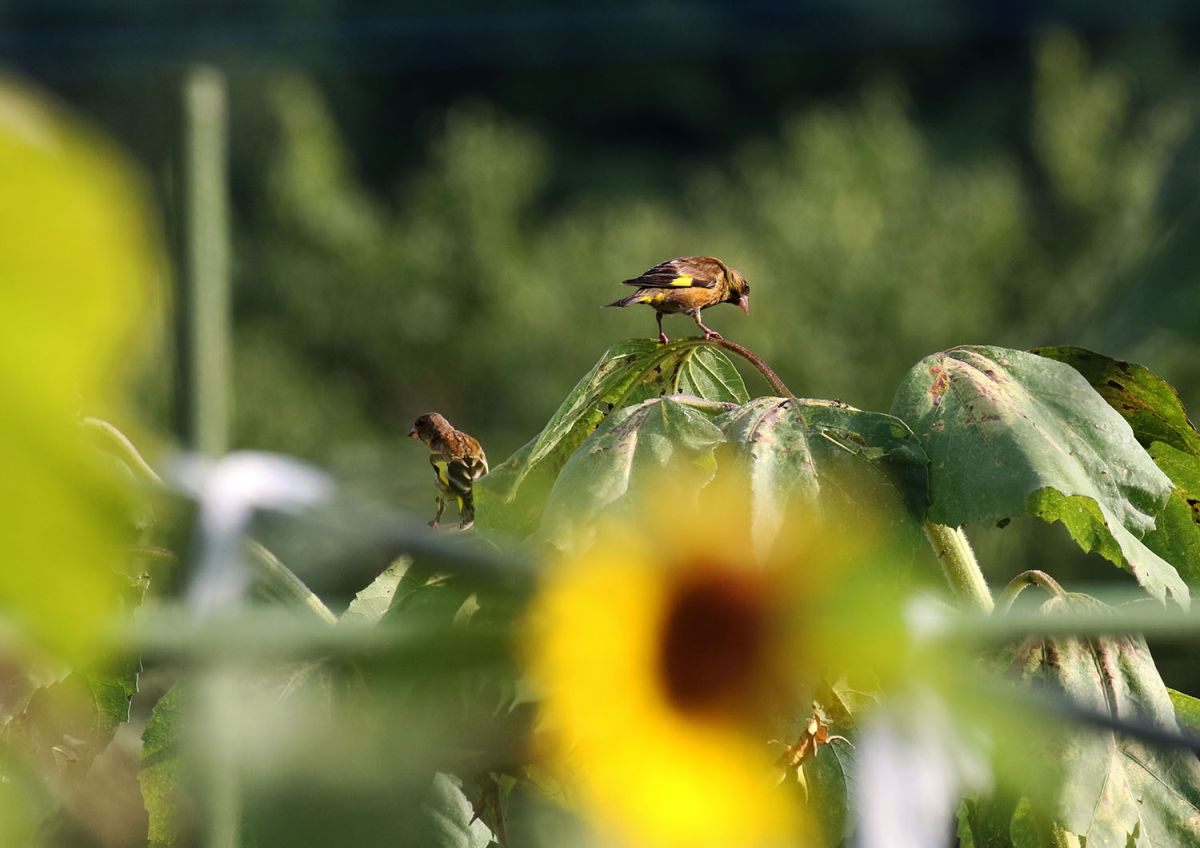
688	284
457	460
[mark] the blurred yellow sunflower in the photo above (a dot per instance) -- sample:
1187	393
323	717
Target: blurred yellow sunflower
664	654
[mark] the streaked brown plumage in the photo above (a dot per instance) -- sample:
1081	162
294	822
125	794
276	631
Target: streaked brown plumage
688	284
457	460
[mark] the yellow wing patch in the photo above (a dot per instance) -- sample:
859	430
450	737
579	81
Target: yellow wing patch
653	298
682	280
443	468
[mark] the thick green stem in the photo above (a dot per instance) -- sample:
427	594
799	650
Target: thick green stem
959	565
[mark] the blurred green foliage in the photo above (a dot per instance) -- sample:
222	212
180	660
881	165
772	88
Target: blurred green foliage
871	239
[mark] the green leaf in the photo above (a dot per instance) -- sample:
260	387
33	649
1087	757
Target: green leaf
67	724
645	444
1148	402
1028	830
452	820
707	373
1094	530
432	598
1154	411
1176	538
984	823
963	829
1114	790
1187	710
511	497
1012	433
371	603
163	769
825	454
832	788
830	775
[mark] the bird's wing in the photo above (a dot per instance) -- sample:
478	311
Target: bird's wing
459	462
683	272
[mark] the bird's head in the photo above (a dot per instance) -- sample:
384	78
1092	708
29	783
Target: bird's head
739	290
429	426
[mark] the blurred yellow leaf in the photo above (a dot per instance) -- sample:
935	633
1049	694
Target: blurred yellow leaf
78	262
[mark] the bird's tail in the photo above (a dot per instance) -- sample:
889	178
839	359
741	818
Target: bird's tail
626	301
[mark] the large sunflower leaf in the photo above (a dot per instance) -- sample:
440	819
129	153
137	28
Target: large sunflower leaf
818	452
1012	433
657	439
373	601
1111	789
1148	402
510	498
1161	424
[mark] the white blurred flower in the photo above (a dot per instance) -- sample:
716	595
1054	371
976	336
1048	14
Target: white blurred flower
228	492
913	770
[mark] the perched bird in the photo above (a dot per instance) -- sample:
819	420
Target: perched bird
688	284
457	460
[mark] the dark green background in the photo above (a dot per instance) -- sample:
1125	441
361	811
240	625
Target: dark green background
431	202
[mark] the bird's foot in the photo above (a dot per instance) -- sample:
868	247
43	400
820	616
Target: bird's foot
713	334
662	338
466	524
434	524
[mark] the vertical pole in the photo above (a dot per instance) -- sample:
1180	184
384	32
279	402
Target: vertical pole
204	303
203	397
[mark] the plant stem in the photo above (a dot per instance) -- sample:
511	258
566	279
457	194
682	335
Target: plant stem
119	445
752	358
959	565
153	552
1028	578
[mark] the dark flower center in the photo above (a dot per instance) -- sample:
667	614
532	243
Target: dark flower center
713	642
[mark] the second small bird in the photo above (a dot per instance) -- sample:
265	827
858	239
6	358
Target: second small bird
688	284
457	460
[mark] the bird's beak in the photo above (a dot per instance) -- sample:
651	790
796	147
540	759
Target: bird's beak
744	303
412	434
